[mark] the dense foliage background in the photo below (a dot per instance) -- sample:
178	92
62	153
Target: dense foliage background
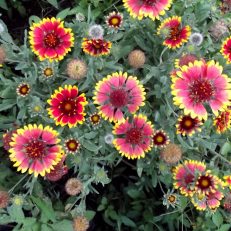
117	193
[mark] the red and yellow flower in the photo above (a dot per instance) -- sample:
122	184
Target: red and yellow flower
133	138
114	20
227	181
71	145
226	49
175	34
23	89
185	176
49	39
160	139
187	125
147	8
117	93
211	200
223	121
67	106
35	148
198	84
96	47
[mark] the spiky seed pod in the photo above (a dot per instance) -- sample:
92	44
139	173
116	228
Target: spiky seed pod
76	69
96	32
136	59
171	154
73	186
4	199
80	223
218	29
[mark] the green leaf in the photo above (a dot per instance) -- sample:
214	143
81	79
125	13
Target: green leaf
226	148
89	214
53	3
63	225
63	14
3	5
133	193
128	222
225	227
45	227
217	219
46	210
28	221
34	19
90	146
16	213
5	219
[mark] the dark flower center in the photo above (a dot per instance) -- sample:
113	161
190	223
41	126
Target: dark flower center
24	89
187	123
134	136
171	198
175	32
159	139
95	118
201	90
188	179
48	72
97	44
35	149
118	98
115	21
68	107
204	182
149	2
72	145
51	40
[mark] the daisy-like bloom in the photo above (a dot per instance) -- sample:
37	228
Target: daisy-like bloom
36	108
58	172
67	107
94	119
35	148
114	20
147	8
170	199
186	125
18	200
226	49
176	34
206	183
47	70
198	84
118	93
227	181
96	32
185	59
185	176
211	200
223	121
133	138
196	39
96	47
160	139
49	39
23	89
71	145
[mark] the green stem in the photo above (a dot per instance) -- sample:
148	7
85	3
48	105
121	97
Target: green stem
11	190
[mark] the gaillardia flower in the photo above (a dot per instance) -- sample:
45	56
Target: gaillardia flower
117	93
67	107
198	84
170	199
94	119
114	20
227	181
206	182
211	200
23	89
185	176
71	145
160	139
185	59
226	49
223	121
176	34
35	148
49	39
147	8
187	125
96	47
133	138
